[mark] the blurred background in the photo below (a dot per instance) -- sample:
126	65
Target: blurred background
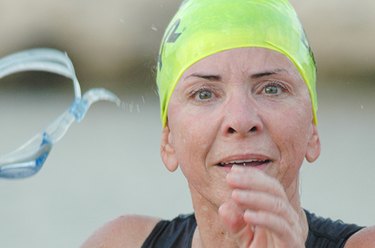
109	164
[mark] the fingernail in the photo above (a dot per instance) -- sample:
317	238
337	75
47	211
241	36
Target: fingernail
236	168
233	176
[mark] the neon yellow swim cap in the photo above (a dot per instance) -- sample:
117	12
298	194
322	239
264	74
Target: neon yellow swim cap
201	28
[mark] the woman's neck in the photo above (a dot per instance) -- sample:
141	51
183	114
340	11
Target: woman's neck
209	232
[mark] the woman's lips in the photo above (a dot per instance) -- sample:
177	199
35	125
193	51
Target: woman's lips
259	163
250	163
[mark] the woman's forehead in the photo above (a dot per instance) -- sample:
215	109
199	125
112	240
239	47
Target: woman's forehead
250	60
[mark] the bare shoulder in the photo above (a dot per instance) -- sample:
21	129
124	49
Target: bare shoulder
363	238
124	231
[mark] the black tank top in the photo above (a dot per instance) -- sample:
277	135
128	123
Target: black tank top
178	233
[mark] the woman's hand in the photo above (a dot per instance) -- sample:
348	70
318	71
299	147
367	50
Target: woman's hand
259	213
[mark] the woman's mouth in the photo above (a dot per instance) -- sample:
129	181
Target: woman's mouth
249	163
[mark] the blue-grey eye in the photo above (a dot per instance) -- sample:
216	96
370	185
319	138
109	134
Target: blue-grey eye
204	94
272	89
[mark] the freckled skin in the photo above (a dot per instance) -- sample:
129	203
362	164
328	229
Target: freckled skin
248	102
198	131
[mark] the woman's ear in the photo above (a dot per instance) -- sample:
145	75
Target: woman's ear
313	146
168	153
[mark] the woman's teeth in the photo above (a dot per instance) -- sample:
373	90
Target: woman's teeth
244	163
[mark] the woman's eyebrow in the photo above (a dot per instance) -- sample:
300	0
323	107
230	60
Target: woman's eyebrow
267	73
209	77
213	77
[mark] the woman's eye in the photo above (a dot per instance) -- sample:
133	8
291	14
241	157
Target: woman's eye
203	94
273	89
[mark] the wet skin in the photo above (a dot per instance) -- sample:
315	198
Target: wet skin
245	107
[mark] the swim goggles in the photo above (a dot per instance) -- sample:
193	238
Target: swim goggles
28	159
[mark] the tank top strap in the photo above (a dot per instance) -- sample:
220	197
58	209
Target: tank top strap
172	233
179	232
328	233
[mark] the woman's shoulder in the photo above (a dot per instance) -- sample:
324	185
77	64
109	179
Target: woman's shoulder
363	238
124	231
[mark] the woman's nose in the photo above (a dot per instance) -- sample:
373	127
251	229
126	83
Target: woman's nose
241	117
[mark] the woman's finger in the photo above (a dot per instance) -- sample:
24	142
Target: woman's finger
233	218
253	179
260	201
284	233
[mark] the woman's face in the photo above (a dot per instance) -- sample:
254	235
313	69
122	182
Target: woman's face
246	106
